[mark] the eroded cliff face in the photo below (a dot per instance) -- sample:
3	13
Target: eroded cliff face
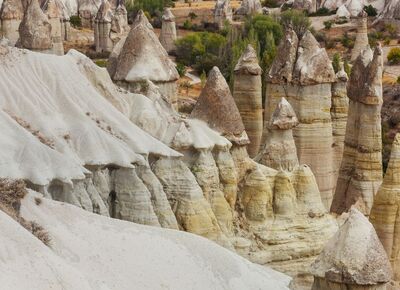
361	169
302	73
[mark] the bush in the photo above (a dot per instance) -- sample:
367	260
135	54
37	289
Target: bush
322	12
347	41
371	11
398	80
181	68
75	21
150	6
347	67
187	24
328	24
394	56
296	19
101	62
262	25
336	62
391	29
270	3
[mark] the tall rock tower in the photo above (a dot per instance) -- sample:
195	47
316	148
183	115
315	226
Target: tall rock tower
303	74
222	12
248	97
11	15
362	35
360	173
168	31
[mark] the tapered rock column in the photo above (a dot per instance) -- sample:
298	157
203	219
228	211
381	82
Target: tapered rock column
249	7
102	27
385	211
362	35
35	29
168	31
222	13
11	15
354	259
302	73
248	97
54	14
339	111
360	173
279	150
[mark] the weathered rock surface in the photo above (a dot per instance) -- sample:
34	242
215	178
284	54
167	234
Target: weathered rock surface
168	31
140	57
353	259
279	151
361	170
248	97
361	42
302	73
391	10
384	214
222	12
249	7
217	108
53	12
35	28
339	112
11	15
102	27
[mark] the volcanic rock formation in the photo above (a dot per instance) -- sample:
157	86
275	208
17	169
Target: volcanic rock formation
102	27
279	150
302	73
168	31
249	7
248	97
35	28
11	15
140	57
362	35
54	14
384	214
391	10
222	12
361	170
353	259
339	111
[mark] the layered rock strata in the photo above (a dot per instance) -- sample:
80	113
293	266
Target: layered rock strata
140	57
339	112
168	31
55	19
302	73
11	15
384	214
279	151
35	29
222	13
362	35
360	173
248	97
353	259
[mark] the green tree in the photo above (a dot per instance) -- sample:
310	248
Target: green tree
151	6
394	56
297	20
336	62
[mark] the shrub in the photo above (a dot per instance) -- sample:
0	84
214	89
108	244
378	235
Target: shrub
391	29
341	20
262	25
270	3
181	68
150	6
75	21
187	24
101	62
347	67
296	19
192	15
322	12
398	80
371	11
336	62
328	24
394	56
347	41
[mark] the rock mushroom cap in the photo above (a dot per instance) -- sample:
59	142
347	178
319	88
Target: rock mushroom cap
284	117
365	83
341	75
218	109
142	56
11	9
248	62
354	255
167	15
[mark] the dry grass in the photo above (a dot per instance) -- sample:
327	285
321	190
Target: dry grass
11	194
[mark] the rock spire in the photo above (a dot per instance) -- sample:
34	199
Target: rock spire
168	31
362	35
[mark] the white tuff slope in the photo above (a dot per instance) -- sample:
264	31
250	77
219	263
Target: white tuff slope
97	252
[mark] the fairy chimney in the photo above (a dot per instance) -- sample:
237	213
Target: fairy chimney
102	27
360	173
279	150
303	74
353	259
52	10
362	35
384	214
248	97
139	57
222	13
11	15
168	31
